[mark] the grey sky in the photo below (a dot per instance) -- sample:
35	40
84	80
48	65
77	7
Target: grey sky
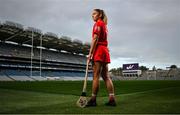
143	31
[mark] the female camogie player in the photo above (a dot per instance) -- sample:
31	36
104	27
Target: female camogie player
99	54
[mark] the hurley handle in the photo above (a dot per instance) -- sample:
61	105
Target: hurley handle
85	79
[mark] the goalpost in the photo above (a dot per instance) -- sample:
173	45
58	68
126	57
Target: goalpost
32	55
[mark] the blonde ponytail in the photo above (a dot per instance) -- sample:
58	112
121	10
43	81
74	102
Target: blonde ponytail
105	19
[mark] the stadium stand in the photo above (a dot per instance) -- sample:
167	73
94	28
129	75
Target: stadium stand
25	49
17	75
171	74
25	52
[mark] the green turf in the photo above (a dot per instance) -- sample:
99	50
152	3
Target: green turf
61	96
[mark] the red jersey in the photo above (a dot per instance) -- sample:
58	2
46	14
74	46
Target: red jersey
100	29
101	52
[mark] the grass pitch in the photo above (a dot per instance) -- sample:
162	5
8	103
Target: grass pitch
60	97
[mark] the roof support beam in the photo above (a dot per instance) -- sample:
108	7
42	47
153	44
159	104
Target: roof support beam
14	35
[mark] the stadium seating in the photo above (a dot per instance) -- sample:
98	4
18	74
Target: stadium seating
15	75
22	51
25	75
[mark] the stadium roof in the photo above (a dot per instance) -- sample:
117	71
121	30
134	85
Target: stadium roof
15	32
